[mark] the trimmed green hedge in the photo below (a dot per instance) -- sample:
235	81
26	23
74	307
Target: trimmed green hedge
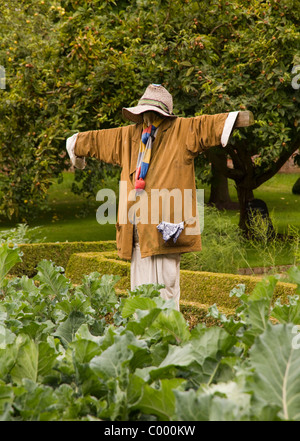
105	263
199	287
210	288
58	252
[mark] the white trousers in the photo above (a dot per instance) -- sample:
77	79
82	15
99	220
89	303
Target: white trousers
161	269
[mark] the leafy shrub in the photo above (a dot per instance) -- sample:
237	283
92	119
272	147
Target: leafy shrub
21	234
72	65
270	246
58	252
294	235
223	247
61	358
199	287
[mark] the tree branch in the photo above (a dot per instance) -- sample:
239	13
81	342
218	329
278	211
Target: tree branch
276	166
218	156
219	26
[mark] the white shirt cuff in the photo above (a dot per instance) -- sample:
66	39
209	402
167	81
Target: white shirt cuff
228	126
76	161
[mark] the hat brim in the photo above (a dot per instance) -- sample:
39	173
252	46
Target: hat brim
135	113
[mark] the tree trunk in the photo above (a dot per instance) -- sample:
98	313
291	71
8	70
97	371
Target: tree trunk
244	194
219	193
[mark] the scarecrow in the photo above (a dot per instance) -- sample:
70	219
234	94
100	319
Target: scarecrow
156	155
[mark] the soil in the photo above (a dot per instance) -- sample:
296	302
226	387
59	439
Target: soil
281	269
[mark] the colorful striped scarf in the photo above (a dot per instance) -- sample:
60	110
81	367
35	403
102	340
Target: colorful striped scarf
148	136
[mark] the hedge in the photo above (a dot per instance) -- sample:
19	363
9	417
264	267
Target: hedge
105	263
210	288
197	287
58	252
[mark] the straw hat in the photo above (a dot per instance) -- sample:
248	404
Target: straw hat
155	98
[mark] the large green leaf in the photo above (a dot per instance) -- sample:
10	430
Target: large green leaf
6	397
294	275
259	303
67	329
8	356
133	303
211	346
75	302
143	321
8	258
99	289
159	401
264	289
112	360
287	313
276	361
172	322
85	345
211	342
256	309
177	357
192	407
6	336
28	288
52	282
200	358
219	402
33	361
37	402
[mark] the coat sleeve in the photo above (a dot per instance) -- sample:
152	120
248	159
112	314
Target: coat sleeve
207	131
105	145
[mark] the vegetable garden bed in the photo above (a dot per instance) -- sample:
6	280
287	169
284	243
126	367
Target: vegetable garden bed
81	258
61	358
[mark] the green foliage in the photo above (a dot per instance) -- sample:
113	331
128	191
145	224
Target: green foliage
9	256
59	253
61	358
196	286
265	243
268	244
223	246
72	65
20	234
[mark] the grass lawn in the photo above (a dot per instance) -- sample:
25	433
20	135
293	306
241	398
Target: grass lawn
64	220
284	209
283	205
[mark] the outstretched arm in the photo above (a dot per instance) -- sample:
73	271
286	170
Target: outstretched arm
207	131
105	145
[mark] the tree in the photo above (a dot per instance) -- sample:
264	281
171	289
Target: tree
77	63
260	46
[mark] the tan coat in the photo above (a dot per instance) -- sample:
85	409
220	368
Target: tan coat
178	142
